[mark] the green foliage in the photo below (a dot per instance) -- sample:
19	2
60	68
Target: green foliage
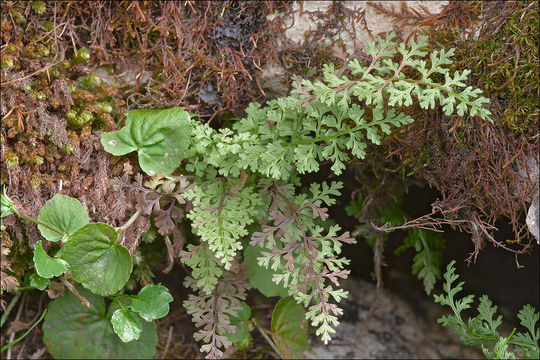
241	335
427	244
37	282
126	324
289	328
212	312
96	260
427	261
205	266
323	121
261	277
220	216
71	330
481	330
308	255
6	207
61	214
159	137
47	267
250	173
100	264
6	203
504	59
152	302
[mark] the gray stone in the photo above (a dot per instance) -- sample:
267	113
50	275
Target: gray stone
394	331
533	218
300	22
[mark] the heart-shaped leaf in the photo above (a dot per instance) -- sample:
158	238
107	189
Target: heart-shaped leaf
159	137
73	331
261	277
47	267
152	302
96	261
289	328
126	325
64	214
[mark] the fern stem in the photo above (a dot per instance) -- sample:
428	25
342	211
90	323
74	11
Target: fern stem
130	221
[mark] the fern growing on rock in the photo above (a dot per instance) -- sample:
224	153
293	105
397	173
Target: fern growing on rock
250	174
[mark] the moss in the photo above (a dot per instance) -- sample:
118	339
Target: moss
504	60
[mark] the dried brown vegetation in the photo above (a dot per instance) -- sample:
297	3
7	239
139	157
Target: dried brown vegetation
484	172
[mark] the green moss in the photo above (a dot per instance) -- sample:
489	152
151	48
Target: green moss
504	60
39	7
12	160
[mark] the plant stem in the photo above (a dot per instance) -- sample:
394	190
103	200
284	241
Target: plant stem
130	221
506	341
10	307
36	221
26	333
263	333
122	306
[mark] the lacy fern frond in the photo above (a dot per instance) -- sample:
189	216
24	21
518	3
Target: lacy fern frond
304	256
330	119
220	215
481	330
206	268
427	261
210	311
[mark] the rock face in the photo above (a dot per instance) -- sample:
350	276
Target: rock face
532	171
354	27
533	217
393	331
350	30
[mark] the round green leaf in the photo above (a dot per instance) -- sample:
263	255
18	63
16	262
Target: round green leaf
126	325
261	277
289	328
96	261
38	282
62	213
47	267
152	302
71	330
159	137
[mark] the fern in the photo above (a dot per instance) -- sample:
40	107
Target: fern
426	262
220	216
325	120
303	255
481	330
427	244
249	173
210	311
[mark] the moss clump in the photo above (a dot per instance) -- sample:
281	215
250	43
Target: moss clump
504	58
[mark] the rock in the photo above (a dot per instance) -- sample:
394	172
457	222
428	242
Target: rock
533	217
531	172
349	29
301	21
393	331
